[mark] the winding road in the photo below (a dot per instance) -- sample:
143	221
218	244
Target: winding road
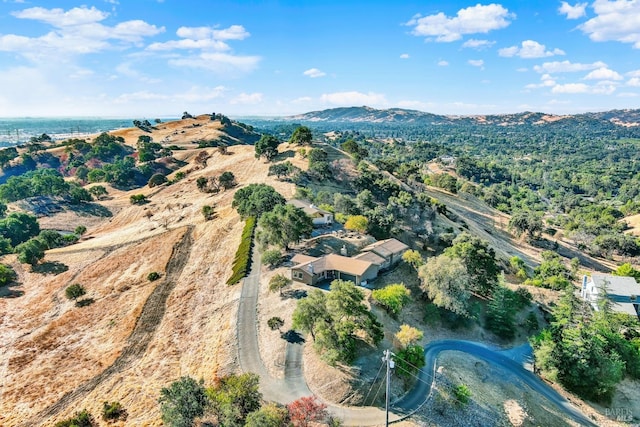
293	385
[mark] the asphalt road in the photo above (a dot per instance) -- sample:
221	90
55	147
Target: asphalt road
294	385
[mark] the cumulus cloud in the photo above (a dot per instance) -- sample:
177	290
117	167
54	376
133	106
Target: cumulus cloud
471	20
573	12
545	81
353	98
577	88
476	62
634	82
204	38
404	56
567	67
314	73
76	31
443	63
247	99
529	49
478	44
603	73
616	20
634	73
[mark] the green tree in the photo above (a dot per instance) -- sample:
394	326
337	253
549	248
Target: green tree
413	258
156	179
446	282
113	411
270	415
138	199
479	260
392	297
408	335
272	257
256	199
208	212
301	135
19	227
234	397
501	313
30	252
525	221
284	225
627	269
278	282
7	275
227	180
74	291
336	320
409	360
98	191
358	223
80	419
267	147
182	402
462	394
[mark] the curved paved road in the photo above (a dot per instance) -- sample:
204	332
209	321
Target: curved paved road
294	386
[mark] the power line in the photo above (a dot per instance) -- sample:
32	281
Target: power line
373	383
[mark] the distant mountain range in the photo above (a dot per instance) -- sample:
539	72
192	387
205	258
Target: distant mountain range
626	118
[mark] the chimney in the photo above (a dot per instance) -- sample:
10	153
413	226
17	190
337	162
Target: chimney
310	268
343	250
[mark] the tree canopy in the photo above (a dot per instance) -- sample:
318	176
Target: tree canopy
301	136
283	225
256	199
267	146
182	402
479	260
446	282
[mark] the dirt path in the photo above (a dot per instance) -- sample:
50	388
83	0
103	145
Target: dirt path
150	317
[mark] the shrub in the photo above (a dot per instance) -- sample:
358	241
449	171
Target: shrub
182	402
80	230
275	323
154	275
74	291
272	257
156	179
138	199
113	411
80	419
84	302
462	393
6	275
409	360
392	297
278	283
242	260
208	212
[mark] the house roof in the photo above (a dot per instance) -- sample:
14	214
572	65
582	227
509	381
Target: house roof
371	257
617	286
387	247
302	259
625	307
353	266
308	207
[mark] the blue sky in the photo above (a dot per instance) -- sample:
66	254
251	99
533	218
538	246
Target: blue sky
152	58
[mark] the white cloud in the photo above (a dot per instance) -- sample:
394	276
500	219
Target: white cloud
577	88
471	20
353	98
314	73
545	81
616	20
603	73
478	44
218	62
404	56
204	38
570	88
59	18
76	31
443	63
247	99
529	49
476	62
634	82
573	12
234	32
567	67
634	73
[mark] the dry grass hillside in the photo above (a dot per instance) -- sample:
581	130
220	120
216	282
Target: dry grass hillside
54	353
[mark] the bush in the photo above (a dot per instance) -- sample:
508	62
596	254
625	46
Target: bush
462	393
80	230
272	257
154	275
156	179
392	297
138	199
84	302
242	260
208	212
6	275
113	411
74	291
182	402
409	360
275	323
80	419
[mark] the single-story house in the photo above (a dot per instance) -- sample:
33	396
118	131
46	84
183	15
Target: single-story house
319	216
391	250
624	292
358	269
311	270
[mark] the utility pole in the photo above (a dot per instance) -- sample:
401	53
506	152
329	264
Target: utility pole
390	364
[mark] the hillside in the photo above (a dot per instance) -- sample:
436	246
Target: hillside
626	118
126	345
